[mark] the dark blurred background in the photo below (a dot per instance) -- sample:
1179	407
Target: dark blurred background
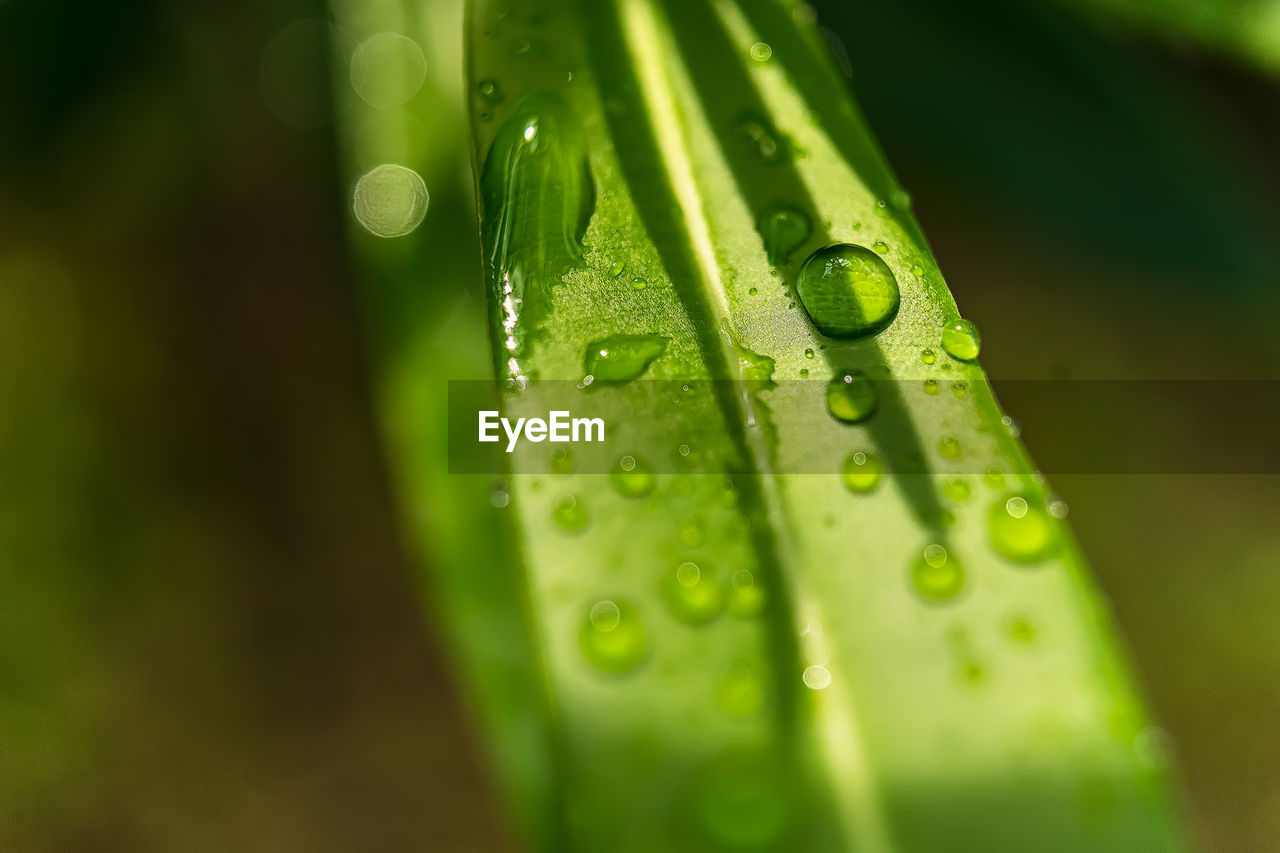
212	634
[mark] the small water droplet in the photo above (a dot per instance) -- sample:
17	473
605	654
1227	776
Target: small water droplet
957	488
784	229
390	200
616	268
804	373
1010	426
930	386
937	575
772	147
562	461
622	358
387	69
500	497
861	472
761	52
949	447
490	92
881	247
994	477
613	637
746	595
632	477
692	594
639	284
1021	531
848	291
928	356
816	677
1058	508
569	514
960	389
900	200
851	397
684	450
961	340
808	353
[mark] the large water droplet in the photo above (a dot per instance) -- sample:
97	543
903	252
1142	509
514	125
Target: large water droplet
937	575
848	291
784	229
632	477
861	472
851	397
961	340
692	594
613	637
622	358
1021	531
390	200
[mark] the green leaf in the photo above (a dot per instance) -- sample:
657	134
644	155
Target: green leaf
754	658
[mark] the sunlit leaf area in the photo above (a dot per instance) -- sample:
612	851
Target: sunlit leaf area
936	347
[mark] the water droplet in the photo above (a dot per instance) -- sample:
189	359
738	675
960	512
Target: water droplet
684	449
816	677
569	514
949	447
804	373
500	497
957	489
1021	531
746	595
613	637
861	472
632	477
880	246
1010	426
622	358
784	229
808	353
390	200
754	368
930	386
961	340
753	291
848	291
772	147
490	92
387	69
851	397
959	389
616	268
900	200
761	52
639	284
917	270
928	356
692	594
562	461
1058	508
937	575
994	477
740	692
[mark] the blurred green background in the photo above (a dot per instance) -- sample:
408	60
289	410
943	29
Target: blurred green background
212	620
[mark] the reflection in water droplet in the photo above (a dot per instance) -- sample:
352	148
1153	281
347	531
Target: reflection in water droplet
612	637
569	514
851	397
848	291
390	200
937	575
861	472
1021	531
692	594
632	477
961	340
387	69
